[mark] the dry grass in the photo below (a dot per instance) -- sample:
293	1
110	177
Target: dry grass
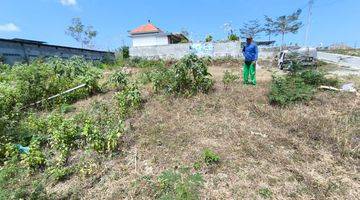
300	152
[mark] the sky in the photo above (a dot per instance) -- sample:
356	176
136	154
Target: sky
332	21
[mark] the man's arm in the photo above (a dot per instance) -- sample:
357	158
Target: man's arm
256	53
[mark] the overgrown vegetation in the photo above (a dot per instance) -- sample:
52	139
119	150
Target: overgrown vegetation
297	86
229	78
186	77
180	184
22	85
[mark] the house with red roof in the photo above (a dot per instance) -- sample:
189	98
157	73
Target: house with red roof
150	35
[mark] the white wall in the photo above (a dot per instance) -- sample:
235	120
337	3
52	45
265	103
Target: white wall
141	41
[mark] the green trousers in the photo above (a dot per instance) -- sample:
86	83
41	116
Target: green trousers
249	68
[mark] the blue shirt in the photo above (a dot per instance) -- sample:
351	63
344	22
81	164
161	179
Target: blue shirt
250	52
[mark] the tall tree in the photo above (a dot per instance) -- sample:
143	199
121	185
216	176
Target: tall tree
81	33
269	26
251	28
287	24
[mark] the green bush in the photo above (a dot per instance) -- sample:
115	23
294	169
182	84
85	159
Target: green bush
289	89
188	76
128	100
229	78
144	63
24	84
119	79
317	78
179	185
210	157
208	38
298	86
233	37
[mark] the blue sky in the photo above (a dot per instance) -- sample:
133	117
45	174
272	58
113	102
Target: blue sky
333	21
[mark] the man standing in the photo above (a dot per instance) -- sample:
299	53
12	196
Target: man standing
250	52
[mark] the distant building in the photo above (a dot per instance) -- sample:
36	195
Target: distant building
150	35
20	50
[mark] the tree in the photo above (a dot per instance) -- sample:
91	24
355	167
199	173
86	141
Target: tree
233	37
251	28
80	33
269	27
287	24
208	38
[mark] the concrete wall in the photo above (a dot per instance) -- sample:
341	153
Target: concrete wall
19	52
177	51
150	40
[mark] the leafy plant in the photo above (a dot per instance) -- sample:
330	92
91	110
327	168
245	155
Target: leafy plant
128	100
210	157
36	158
265	193
233	37
289	89
229	78
209	38
119	79
179	185
188	76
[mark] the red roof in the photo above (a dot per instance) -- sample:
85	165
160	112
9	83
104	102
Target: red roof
147	28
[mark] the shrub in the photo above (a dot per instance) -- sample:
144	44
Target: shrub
144	63
316	78
188	76
128	100
229	78
265	193
289	89
179	185
208	38
233	37
64	133
119	79
210	157
36	158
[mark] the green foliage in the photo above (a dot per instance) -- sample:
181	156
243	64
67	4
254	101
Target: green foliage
81	33
179	185
316	78
265	193
298	86
209	38
144	63
187	77
64	133
210	157
61	173
36	158
197	165
289	89
66	108
128	100
229	78
233	37
119	79
24	84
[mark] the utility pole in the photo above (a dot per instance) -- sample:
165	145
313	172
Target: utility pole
308	25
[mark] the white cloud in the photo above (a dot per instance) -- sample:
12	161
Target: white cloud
9	27
68	2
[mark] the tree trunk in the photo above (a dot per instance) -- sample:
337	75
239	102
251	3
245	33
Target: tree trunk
282	41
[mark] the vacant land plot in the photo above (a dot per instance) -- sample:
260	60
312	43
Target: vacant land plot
227	144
